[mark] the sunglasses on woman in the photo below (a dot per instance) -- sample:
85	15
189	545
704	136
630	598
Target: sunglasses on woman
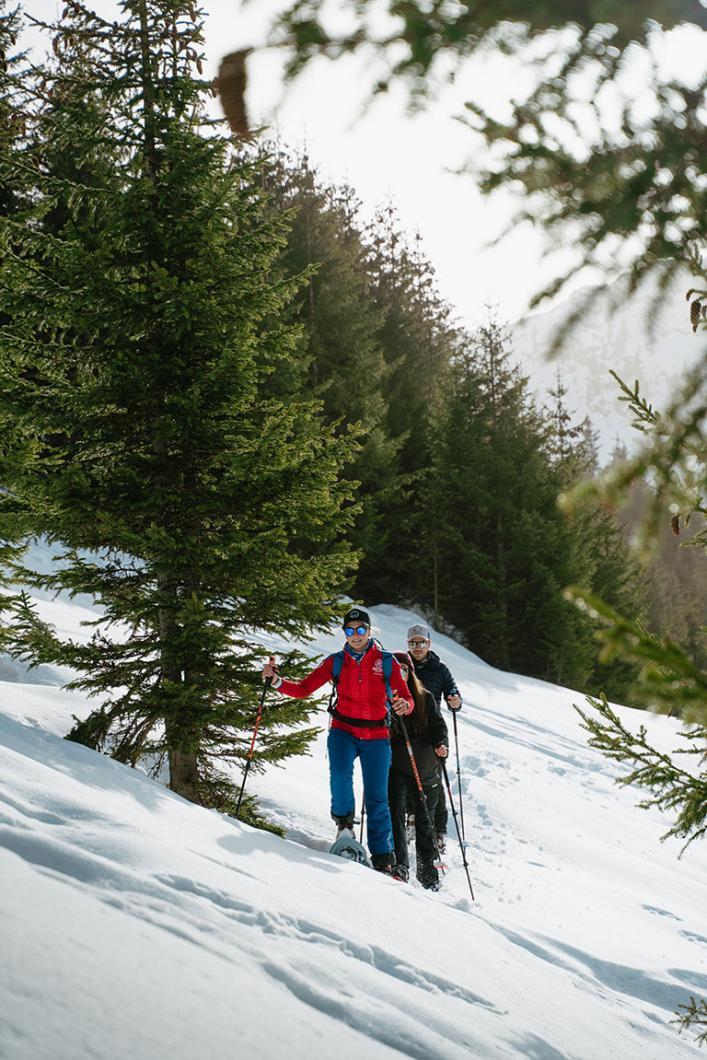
350	630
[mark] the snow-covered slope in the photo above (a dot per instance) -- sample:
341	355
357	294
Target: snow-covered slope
133	924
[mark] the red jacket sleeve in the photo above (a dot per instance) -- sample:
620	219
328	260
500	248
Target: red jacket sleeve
314	680
399	685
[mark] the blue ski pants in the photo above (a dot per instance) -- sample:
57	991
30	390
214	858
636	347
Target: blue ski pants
344	748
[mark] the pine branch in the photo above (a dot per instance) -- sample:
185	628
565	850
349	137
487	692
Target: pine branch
674	789
694	1016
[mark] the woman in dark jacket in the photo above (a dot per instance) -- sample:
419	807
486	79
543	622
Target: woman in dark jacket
427	731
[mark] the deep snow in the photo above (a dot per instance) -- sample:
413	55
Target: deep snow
133	924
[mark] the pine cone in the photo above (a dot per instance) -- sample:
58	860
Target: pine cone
231	85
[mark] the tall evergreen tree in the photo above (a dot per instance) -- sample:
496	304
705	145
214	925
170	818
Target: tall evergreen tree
505	553
419	334
342	359
13	120
13	196
419	338
142	426
11	110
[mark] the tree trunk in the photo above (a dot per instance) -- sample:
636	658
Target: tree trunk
503	593
183	773
148	96
181	741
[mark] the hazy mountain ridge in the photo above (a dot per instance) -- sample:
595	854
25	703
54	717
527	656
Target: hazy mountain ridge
617	333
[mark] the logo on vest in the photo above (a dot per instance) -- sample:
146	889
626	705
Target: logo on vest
377	667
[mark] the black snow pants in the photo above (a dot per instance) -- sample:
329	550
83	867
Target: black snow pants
404	796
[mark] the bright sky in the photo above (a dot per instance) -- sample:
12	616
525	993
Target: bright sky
388	155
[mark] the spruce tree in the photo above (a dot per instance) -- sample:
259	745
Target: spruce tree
14	188
419	338
341	356
13	196
11	106
505	553
190	500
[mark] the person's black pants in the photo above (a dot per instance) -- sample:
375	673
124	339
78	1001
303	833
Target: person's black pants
403	794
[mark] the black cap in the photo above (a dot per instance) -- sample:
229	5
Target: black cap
356	617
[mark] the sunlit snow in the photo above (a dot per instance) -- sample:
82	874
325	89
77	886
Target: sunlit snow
136	925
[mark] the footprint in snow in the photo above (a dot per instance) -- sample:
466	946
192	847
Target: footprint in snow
661	912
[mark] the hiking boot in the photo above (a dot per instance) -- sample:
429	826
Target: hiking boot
427	876
383	863
401	872
343	824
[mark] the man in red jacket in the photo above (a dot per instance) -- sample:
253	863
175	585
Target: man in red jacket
359	729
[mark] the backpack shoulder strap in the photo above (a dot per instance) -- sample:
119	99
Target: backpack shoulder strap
337	663
387	673
336	667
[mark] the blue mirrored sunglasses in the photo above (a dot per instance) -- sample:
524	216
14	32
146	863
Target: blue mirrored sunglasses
350	630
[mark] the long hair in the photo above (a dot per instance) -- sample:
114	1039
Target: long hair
417	721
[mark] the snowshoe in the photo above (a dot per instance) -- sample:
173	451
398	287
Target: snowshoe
347	846
401	872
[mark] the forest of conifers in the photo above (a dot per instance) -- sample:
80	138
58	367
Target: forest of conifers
228	400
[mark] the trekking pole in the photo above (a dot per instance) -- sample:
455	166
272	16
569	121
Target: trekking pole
363	815
459	773
258	717
456	823
438	864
